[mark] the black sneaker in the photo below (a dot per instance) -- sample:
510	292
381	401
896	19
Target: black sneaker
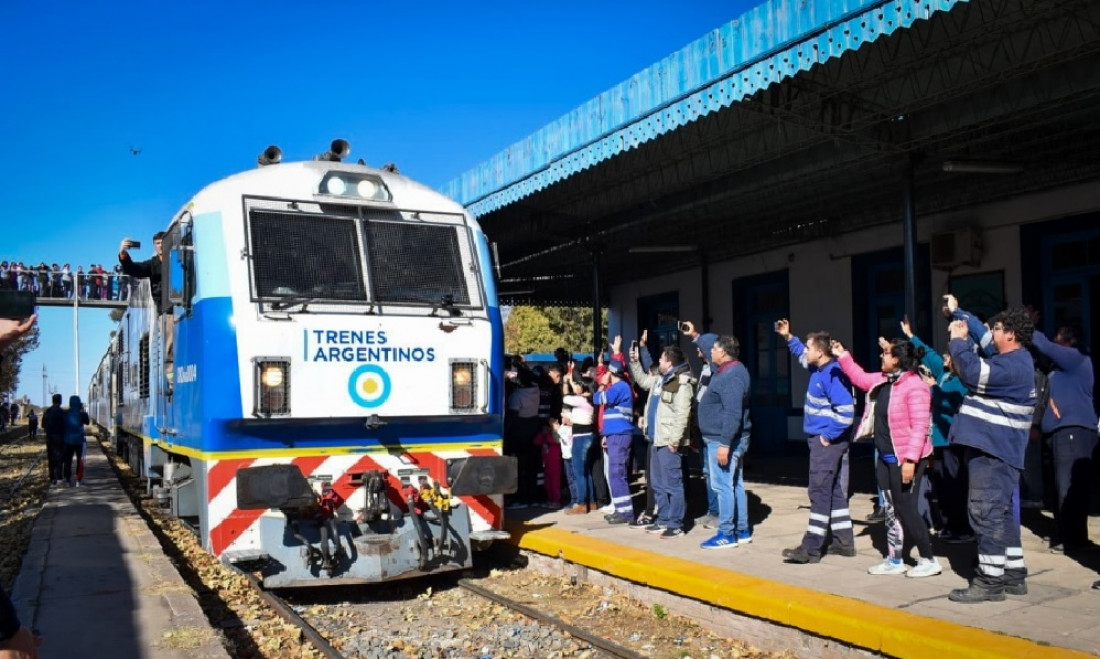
800	555
671	533
976	593
1016	588
641	522
616	519
877	515
654	528
842	550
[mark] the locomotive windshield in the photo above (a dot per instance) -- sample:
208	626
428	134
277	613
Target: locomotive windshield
295	256
300	257
415	263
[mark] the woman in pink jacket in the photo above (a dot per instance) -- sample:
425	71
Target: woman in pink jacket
899	417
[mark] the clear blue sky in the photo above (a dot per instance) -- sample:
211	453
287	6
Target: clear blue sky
202	87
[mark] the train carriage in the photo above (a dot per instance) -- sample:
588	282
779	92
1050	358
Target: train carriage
321	396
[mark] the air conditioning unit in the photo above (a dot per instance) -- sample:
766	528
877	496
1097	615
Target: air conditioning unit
954	248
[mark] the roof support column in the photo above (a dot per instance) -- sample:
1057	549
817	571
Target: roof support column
909	242
597	317
704	287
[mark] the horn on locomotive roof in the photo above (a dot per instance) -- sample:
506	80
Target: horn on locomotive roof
272	155
336	152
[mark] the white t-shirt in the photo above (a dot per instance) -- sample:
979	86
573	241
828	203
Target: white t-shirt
581	411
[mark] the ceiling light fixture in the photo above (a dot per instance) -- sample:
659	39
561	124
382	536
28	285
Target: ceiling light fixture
981	167
662	249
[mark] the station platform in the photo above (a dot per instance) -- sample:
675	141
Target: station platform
837	599
95	582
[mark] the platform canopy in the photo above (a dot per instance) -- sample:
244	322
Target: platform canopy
795	122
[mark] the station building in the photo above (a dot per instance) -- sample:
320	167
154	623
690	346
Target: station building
841	163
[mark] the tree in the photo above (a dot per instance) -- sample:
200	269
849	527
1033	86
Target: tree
544	329
573	326
528	330
12	360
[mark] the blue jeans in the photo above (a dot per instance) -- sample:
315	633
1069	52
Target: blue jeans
712	498
729	490
570	480
668	486
582	469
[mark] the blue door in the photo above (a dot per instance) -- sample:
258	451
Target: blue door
658	315
757	303
1061	276
878	301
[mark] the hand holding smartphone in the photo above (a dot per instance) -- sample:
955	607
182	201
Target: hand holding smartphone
16	305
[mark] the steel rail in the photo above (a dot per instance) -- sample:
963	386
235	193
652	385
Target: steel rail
603	644
288	613
11	493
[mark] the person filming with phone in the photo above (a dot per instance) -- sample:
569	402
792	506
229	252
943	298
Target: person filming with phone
151	269
897	417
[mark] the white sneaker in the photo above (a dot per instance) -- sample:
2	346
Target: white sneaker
925	568
608	509
888	566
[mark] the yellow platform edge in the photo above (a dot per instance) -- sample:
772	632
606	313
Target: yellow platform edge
851	621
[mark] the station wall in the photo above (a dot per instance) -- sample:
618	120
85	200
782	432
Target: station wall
821	292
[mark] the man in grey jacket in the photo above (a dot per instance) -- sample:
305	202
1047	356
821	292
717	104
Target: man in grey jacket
667	413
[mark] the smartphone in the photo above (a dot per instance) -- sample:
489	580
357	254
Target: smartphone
135	244
634	345
16	305
683	326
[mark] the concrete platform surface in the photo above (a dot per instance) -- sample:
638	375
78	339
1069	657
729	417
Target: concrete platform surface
95	582
1060	610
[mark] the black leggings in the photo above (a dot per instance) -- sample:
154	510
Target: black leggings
903	521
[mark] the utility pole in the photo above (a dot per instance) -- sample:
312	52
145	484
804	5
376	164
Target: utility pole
76	342
44	399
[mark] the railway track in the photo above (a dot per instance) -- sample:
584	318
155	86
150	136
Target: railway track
17	463
337	629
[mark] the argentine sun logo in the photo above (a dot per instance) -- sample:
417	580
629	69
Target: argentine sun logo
369	385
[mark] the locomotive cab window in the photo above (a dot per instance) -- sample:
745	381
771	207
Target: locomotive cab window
179	273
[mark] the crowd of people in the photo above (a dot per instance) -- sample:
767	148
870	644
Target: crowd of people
9	414
54	281
950	433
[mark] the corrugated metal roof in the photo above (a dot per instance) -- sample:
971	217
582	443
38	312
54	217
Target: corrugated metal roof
768	44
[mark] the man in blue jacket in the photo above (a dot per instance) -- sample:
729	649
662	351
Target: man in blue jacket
993	424
1069	425
828	414
725	426
618	427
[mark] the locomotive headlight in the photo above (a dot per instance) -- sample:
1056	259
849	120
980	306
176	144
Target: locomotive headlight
367	188
463	385
272	376
354	185
271	391
335	185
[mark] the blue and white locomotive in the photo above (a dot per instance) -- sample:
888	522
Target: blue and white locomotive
322	397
